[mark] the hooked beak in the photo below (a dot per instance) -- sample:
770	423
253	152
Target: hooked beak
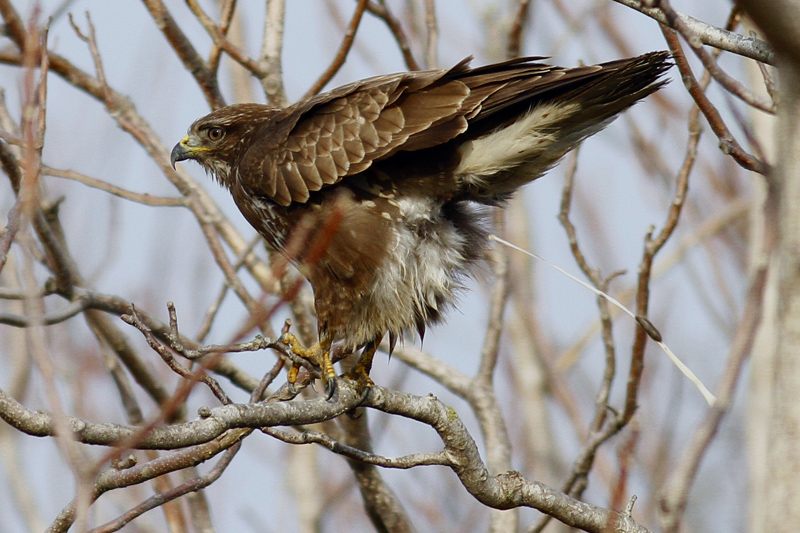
181	151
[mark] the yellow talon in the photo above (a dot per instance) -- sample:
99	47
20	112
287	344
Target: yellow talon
318	356
360	372
291	376
328	374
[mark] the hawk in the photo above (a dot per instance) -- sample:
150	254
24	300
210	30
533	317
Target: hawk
371	189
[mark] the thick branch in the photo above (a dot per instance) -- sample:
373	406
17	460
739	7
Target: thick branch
711	35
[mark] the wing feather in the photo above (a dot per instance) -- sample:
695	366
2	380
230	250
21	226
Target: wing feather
320	141
282	195
306	171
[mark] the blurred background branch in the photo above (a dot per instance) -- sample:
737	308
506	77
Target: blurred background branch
105	423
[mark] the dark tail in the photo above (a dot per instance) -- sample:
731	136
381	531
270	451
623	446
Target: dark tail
532	114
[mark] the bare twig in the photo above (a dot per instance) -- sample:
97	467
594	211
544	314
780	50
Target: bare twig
578	477
499	491
220	39
142	198
500	291
113	479
15	28
56	317
431	35
380	502
166	355
728	143
203	75
731	85
341	54
712	35
674	497
652	247
403	463
271	49
514	47
193	485
382	12
226	17
214	308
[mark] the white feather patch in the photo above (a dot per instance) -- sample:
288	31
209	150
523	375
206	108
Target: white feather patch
418	275
513	145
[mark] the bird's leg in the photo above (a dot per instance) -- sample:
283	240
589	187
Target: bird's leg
360	372
291	377
319	355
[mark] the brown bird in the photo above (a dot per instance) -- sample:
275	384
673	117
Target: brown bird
371	189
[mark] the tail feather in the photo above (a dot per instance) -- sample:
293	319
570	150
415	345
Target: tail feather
532	114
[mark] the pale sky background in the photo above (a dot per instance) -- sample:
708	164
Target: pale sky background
117	241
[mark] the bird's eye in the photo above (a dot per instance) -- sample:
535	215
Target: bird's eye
215	134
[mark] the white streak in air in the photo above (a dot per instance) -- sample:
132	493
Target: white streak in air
710	398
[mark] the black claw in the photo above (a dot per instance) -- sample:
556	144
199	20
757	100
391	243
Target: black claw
330	388
364	395
354	413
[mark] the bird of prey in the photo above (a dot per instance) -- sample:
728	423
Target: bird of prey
371	189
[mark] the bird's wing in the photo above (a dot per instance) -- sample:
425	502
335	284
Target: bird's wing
324	139
319	141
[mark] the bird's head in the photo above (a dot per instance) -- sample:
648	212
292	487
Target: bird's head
218	140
